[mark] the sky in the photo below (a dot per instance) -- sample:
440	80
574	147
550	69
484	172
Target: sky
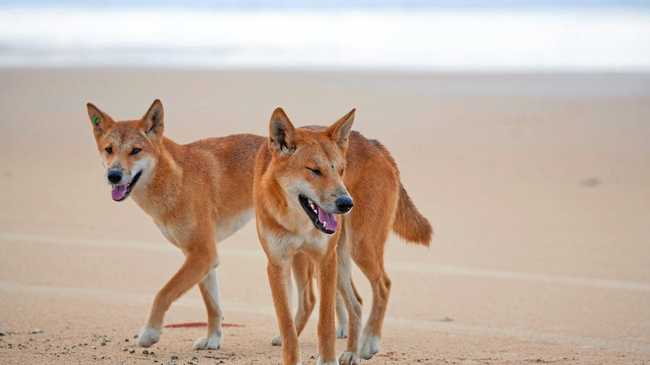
333	4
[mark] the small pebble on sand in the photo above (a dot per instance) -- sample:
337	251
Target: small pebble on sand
591	182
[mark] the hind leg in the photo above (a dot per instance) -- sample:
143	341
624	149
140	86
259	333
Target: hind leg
372	331
369	256
372	221
341	317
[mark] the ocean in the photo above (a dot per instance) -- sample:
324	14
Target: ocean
395	35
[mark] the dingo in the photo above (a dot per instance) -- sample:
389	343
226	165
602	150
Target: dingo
197	194
304	177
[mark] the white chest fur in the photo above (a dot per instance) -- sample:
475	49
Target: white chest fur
284	246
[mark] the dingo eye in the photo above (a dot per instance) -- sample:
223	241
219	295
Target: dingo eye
316	172
109	150
135	151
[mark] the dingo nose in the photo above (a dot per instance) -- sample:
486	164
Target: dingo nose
344	204
114	177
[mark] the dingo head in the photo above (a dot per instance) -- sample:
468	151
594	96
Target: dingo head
129	149
309	164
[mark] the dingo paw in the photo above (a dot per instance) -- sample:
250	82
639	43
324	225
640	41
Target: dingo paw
276	341
370	346
349	358
208	343
321	362
148	336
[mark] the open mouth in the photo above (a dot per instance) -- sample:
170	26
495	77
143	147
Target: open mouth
121	192
322	220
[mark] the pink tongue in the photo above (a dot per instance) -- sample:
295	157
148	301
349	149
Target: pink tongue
119	192
327	219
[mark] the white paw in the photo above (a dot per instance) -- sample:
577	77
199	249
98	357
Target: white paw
349	358
208	343
148	336
276	341
321	362
342	332
370	346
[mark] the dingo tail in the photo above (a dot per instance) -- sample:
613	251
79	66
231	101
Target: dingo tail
409	223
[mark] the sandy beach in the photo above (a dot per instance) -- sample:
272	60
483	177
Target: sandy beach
538	188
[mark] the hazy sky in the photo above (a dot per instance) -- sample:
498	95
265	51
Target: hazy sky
400	34
334	3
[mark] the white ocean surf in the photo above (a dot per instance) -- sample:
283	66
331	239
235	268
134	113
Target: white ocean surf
571	39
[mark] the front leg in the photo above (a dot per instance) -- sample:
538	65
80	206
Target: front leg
195	268
209	287
327	320
278	275
303	272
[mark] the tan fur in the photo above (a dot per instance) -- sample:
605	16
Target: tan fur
409	223
381	204
286	233
195	193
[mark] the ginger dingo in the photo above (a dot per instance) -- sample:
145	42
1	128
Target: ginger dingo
197	194
305	180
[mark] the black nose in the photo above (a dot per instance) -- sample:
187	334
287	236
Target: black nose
344	204
114	176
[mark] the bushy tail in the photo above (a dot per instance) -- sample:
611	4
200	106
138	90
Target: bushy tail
409	223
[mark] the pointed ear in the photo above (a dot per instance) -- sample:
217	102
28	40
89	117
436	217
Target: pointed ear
281	133
339	132
100	121
153	122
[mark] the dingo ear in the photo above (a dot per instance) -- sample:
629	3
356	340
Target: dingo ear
339	132
100	121
153	122
281	132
